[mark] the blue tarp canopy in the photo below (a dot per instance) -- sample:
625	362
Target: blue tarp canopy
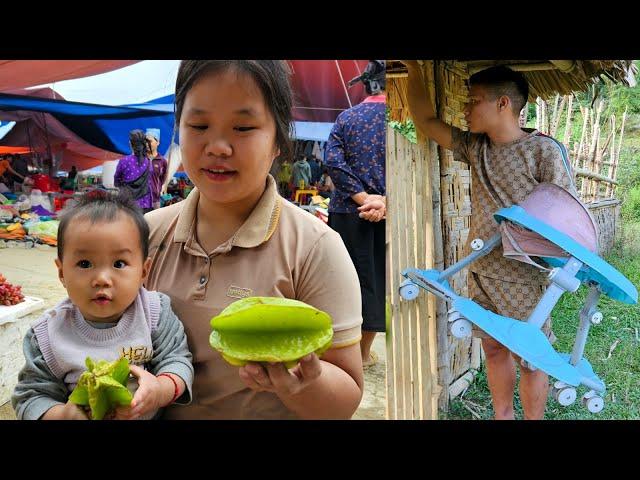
108	127
103	126
317	131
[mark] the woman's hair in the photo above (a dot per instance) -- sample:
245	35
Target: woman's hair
102	206
272	78
139	144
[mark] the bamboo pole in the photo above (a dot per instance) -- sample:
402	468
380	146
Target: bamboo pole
557	112
520	67
612	156
594	176
567	127
580	154
423	222
406	252
614	168
394	395
461	384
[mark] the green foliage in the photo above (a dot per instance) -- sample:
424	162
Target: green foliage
631	204
407	129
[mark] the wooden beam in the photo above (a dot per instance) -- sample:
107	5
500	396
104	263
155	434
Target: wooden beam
580	172
520	67
461	384
564	66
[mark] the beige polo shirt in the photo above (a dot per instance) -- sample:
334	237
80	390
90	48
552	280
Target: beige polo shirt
280	251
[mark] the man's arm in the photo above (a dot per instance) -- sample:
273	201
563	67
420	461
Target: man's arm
421	108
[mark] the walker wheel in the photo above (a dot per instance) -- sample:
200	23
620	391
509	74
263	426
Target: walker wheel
409	291
461	328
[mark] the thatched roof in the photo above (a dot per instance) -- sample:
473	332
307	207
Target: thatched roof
545	77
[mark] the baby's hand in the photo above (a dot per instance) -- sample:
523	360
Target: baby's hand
147	398
68	411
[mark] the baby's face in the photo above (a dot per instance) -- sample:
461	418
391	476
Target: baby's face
102	267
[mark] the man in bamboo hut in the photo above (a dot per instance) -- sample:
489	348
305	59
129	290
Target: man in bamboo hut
506	163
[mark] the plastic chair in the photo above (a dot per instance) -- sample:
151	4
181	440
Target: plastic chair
305	195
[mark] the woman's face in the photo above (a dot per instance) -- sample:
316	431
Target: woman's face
227	137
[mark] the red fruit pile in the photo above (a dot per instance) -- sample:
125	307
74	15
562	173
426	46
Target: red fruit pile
10	294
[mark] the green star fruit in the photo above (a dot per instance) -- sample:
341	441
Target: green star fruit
103	387
270	329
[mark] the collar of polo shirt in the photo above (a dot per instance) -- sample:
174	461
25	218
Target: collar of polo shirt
257	229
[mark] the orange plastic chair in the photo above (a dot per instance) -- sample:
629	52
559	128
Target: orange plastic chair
305	195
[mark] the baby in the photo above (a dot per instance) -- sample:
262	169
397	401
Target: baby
102	262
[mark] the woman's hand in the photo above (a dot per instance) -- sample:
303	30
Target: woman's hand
276	378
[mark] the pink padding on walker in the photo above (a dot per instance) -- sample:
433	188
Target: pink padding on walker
559	209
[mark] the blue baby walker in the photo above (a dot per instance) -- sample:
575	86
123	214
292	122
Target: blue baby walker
551	225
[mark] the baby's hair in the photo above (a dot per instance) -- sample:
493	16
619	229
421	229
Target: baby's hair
102	206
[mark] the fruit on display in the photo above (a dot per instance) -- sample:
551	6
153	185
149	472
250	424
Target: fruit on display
10	294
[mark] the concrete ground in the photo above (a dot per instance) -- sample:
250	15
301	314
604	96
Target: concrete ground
34	269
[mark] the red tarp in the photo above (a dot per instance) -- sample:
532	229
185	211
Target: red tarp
29	73
34	130
321	90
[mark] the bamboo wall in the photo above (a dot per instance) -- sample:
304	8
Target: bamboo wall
456	356
412	376
607	215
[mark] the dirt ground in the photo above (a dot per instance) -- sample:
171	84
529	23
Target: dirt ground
34	269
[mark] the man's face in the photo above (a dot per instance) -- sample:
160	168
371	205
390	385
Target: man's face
481	112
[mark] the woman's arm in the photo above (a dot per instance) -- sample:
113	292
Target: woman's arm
331	387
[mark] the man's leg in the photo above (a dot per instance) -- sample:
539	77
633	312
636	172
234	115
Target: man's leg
358	237
365	345
501	376
534	389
